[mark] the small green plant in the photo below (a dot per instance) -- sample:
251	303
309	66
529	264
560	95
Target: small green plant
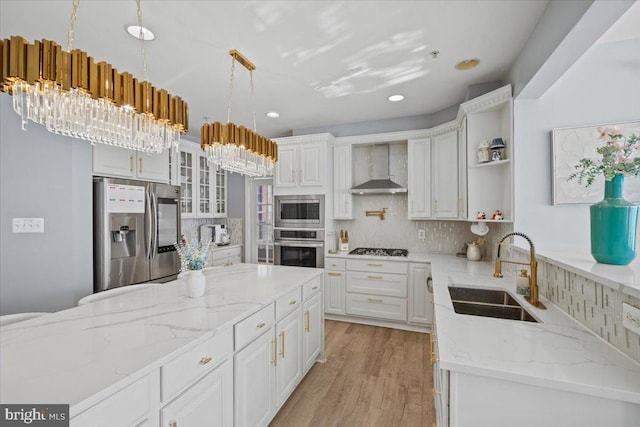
619	157
193	255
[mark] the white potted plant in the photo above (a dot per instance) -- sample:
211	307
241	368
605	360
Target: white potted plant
193	258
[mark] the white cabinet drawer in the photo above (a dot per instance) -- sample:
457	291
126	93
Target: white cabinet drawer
376	306
395	267
195	363
253	326
128	407
226	252
288	302
311	288
334	264
394	285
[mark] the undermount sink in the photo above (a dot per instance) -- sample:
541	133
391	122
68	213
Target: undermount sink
488	303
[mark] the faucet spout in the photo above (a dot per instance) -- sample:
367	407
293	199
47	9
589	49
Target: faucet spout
534	294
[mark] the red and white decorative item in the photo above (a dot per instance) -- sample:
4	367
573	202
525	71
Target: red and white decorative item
497	215
481	215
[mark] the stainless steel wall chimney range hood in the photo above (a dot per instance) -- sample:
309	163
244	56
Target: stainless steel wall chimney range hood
381	182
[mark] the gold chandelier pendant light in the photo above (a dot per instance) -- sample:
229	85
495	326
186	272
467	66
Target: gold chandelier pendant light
70	94
237	148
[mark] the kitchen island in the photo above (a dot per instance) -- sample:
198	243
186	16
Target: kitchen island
157	344
491	371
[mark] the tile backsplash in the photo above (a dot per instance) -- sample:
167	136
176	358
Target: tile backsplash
191	228
594	305
397	231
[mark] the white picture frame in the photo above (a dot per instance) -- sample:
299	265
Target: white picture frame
569	145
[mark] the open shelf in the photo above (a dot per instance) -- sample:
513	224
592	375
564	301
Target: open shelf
491	164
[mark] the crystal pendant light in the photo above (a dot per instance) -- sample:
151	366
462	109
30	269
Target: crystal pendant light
236	148
70	94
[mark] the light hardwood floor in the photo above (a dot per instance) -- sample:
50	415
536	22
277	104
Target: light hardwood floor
373	377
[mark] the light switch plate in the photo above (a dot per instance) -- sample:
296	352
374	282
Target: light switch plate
631	318
27	225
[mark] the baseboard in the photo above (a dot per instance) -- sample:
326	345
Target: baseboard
376	322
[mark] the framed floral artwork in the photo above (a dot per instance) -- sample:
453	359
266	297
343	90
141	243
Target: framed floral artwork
569	145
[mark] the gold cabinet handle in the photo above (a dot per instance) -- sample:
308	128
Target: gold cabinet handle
331	273
260	325
173	424
282	344
374	265
375	300
431	347
274	342
314	288
293	301
374	277
434	392
140	160
205	360
306	321
131	163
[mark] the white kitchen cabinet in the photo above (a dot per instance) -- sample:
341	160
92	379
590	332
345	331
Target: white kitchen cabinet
302	166
255	381
342	182
123	163
224	256
419	178
289	367
420	301
445	175
203	188
209	402
462	169
334	289
312	334
490	184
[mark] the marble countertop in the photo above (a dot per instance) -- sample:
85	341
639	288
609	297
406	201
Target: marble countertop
81	355
558	352
625	278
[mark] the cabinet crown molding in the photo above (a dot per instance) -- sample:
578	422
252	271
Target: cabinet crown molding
298	139
485	101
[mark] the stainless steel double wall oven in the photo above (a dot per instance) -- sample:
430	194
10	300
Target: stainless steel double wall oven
299	231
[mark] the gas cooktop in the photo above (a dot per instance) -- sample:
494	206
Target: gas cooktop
379	252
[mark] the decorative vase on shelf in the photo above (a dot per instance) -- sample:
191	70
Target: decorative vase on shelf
196	283
614	223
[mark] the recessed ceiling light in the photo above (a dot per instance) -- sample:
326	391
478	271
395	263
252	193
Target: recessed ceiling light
272	114
396	98
134	31
467	64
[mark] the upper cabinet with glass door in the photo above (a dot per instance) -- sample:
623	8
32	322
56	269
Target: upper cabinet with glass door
203	188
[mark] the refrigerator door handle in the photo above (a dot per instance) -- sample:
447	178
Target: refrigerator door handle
155	225
149	224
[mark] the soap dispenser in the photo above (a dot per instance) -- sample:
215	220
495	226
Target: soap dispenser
523	283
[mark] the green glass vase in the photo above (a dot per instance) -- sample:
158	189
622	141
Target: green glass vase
614	222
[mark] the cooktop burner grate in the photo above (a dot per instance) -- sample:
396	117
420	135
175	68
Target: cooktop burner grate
379	252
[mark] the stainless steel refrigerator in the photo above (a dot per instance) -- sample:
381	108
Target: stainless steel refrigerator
135	225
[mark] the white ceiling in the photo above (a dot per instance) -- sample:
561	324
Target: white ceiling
319	63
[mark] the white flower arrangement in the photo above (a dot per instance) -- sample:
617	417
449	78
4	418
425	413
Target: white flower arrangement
193	255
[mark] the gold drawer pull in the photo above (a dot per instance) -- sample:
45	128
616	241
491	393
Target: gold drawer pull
375	300
275	352
374	265
282	344
314	288
331	273
374	277
205	360
260	325
434	392
306	321
293	301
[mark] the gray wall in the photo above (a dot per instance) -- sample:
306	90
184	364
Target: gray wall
235	195
48	176
602	87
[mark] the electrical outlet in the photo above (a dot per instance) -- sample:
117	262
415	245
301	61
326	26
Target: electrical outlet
27	225
421	234
631	318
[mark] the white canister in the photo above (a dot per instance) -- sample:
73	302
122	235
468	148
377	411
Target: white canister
473	252
196	283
